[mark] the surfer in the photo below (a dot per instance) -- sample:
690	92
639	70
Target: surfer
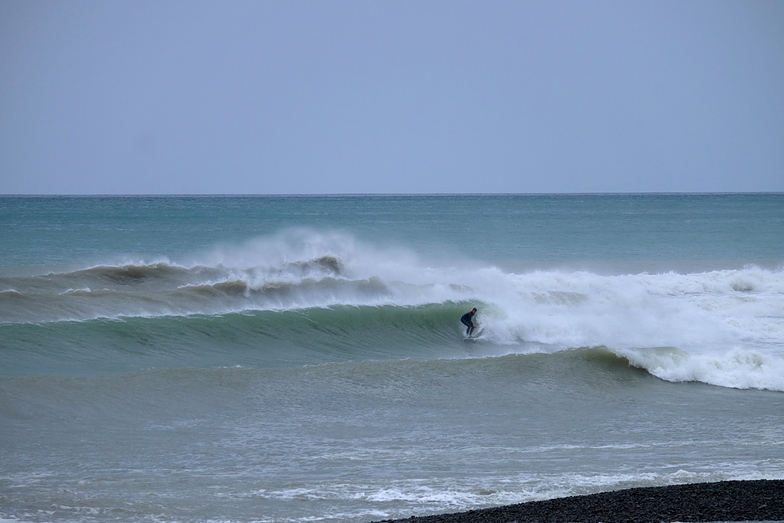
467	320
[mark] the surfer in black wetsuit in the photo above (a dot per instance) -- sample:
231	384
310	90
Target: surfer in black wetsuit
467	320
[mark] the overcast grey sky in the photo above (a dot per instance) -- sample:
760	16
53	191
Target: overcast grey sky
295	97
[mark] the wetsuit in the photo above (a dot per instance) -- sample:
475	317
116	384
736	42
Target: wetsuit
466	319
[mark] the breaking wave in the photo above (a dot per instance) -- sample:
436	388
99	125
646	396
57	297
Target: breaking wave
313	298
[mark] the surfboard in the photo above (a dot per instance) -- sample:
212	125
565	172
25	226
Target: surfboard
474	335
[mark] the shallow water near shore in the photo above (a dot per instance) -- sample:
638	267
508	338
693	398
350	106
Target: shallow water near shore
301	359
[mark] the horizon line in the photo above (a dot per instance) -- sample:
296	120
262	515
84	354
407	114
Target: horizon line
358	194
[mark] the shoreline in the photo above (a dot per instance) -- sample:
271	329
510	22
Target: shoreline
747	500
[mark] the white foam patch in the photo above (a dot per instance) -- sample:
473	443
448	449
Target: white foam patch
584	309
740	369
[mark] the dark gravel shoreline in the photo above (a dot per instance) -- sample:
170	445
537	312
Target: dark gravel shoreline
761	500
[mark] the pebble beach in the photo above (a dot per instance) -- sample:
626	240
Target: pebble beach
759	500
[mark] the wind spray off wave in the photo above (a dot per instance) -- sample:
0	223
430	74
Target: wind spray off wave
293	271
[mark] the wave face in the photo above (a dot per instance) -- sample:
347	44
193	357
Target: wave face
319	295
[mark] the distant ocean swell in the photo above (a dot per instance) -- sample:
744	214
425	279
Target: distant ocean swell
719	327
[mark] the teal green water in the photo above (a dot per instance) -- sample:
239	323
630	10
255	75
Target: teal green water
653	229
291	359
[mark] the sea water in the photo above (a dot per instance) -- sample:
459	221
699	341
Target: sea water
292	359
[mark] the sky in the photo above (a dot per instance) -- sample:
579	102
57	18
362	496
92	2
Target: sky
403	96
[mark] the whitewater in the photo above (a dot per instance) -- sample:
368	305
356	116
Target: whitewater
302	359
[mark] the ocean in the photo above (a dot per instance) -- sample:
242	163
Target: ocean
301	359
